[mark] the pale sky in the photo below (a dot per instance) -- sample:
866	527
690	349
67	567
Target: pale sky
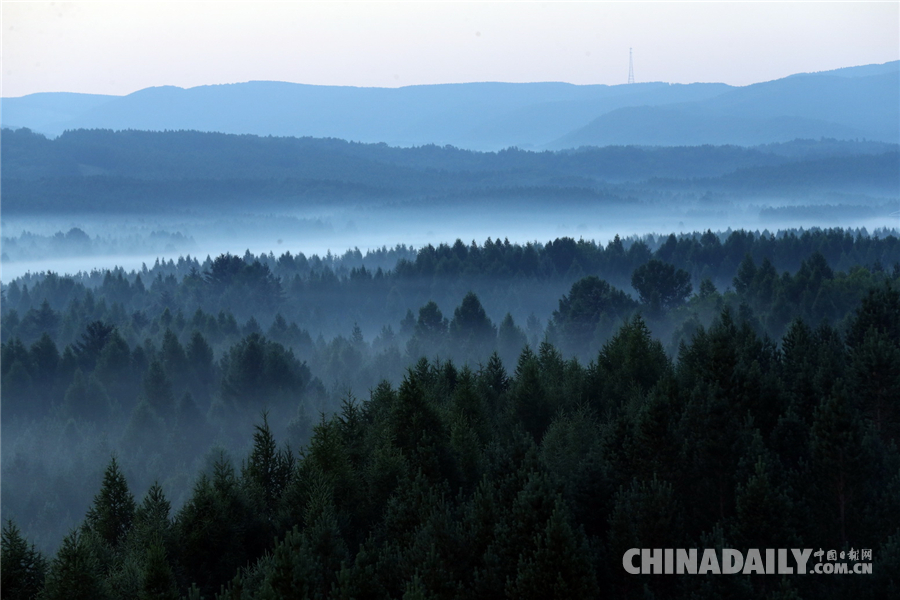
123	46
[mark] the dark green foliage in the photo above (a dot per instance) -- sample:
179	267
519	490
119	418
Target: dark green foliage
879	310
112	513
152	523
591	310
841	463
463	485
874	369
157	582
629	363
661	285
22	568
527	396
74	573
572	454
646	514
462	479
217	530
258	372
267	471
416	429
305	565
558	566
764	512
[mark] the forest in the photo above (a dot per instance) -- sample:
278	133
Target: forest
143	172
467	420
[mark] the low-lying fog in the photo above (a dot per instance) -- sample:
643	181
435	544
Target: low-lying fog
69	244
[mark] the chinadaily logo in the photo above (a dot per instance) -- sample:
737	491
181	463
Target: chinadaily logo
769	561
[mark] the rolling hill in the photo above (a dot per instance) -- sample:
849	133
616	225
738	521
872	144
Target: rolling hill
851	103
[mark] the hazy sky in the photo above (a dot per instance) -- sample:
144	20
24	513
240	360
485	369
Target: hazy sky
120	47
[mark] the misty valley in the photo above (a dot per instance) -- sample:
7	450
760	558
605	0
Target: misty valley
240	366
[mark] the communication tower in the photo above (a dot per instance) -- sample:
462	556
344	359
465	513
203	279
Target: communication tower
630	67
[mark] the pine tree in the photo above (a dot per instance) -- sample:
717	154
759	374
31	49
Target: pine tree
23	567
632	361
157	581
764	512
112	512
875	379
217	530
267	470
152	522
470	329
840	463
557	565
306	564
91	344
74	573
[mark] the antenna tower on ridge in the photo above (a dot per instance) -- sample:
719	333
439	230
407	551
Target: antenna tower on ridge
630	67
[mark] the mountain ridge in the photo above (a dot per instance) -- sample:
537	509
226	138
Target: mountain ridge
848	103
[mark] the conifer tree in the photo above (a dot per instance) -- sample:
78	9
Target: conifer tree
152	522
74	573
22	568
470	329
557	565
157	581
92	342
840	463
764	512
112	512
267	470
528	396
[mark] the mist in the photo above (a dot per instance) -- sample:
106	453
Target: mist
163	308
130	241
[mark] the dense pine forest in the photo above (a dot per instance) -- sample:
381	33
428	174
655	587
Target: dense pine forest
467	420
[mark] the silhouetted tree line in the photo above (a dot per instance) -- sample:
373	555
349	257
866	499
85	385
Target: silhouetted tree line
75	242
524	478
329	294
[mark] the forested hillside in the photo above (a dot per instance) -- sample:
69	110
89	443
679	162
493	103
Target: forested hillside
126	172
462	421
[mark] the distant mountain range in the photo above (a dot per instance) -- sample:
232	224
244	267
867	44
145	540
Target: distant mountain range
845	104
